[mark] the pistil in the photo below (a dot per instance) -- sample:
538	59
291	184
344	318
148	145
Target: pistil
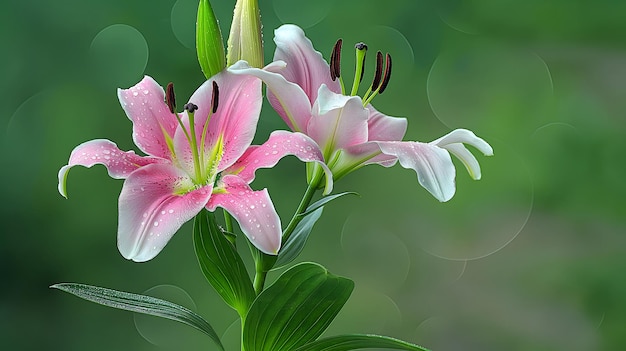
361	50
193	144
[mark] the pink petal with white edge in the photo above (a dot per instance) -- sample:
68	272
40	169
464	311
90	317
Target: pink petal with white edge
433	165
155	202
119	164
253	210
384	128
145	107
288	99
305	66
280	144
338	121
234	121
368	153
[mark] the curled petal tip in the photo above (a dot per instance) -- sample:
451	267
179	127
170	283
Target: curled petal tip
62	180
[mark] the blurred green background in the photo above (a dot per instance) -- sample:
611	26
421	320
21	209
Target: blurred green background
532	257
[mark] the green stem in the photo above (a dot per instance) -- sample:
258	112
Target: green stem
259	276
228	223
263	263
318	175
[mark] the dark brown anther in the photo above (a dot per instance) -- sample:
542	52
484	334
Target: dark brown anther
191	107
216	96
387	74
170	98
332	64
335	60
379	70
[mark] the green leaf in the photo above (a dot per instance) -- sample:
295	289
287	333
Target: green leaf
323	201
295	244
221	264
359	341
209	42
140	304
296	309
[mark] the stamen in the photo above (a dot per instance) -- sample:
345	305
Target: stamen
379	71
170	98
335	60
216	97
387	74
191	107
332	64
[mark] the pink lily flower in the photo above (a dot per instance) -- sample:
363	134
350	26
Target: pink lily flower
198	158
305	92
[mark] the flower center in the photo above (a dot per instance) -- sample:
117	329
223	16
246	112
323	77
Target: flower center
204	163
381	76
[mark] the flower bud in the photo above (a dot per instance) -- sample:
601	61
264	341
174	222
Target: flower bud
209	42
246	40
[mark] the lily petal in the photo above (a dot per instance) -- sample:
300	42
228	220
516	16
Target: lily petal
305	66
467	137
360	155
253	210
233	125
467	158
280	144
156	200
145	107
287	98
119	164
433	165
454	141
338	121
381	127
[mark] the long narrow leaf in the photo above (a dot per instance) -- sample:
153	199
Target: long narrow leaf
140	304
295	244
359	341
296	309
221	264
323	201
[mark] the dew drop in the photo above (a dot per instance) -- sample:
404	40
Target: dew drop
156	224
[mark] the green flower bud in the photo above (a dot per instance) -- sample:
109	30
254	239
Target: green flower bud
246	40
209	42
